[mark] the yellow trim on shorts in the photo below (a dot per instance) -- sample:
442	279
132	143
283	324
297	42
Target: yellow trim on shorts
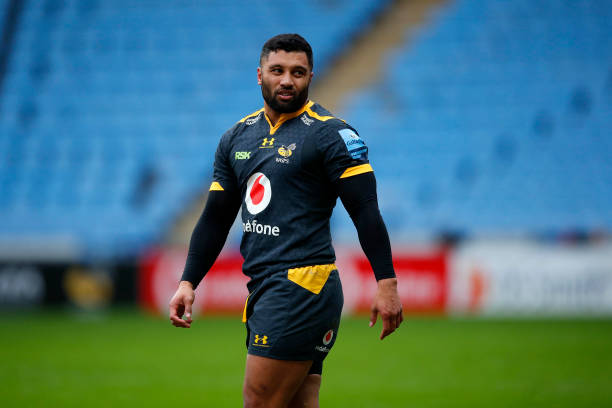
244	313
215	186
353	171
312	278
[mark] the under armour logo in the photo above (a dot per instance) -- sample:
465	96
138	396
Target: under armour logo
263	339
265	144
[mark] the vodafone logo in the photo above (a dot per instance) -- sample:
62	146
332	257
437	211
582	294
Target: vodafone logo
258	193
328	337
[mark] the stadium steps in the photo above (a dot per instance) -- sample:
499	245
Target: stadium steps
110	107
361	64
358	66
509	101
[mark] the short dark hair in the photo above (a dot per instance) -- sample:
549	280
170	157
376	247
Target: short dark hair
287	43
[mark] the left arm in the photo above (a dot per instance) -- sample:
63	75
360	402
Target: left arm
358	195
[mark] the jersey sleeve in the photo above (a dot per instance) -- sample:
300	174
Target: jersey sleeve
223	174
345	154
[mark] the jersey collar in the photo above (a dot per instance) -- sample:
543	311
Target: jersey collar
286	116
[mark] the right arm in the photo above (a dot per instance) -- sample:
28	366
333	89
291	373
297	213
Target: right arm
206	242
209	234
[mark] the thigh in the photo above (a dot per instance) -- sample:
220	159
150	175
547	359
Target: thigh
307	396
272	383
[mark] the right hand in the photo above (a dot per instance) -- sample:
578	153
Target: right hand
180	305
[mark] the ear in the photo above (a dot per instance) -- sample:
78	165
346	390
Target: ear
259	75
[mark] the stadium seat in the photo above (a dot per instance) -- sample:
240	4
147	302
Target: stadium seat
112	110
495	115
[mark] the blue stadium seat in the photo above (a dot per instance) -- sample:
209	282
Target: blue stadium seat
510	102
112	110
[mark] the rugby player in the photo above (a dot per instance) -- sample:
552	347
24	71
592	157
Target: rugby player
284	166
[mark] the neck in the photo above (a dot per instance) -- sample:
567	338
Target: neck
275	116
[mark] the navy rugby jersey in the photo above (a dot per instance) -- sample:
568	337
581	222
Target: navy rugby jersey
285	175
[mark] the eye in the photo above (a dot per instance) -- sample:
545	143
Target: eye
299	73
276	70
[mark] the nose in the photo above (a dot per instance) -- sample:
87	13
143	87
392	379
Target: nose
286	80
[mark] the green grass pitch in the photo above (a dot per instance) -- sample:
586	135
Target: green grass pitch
128	359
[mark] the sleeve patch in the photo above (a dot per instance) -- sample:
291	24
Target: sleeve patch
215	186
354	144
353	171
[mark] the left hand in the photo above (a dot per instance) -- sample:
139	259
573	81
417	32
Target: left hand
181	304
388	304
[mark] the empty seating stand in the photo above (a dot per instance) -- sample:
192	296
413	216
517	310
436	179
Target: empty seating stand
495	119
112	109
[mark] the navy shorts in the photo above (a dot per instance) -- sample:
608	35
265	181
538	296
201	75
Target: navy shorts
295	314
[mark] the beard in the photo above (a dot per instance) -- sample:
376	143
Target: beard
292	105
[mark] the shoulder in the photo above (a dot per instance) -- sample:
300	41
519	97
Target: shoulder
240	125
322	116
331	127
337	138
328	124
250	118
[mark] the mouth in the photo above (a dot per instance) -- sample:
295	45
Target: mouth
285	94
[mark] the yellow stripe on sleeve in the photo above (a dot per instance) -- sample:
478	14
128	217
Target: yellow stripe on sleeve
215	186
317	116
353	171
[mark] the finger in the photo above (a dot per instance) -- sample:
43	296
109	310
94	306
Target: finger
399	319
175	310
178	322
388	326
373	316
188	311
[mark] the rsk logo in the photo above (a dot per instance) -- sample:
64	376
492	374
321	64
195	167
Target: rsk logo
258	193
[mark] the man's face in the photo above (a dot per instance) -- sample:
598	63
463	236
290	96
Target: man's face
284	78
